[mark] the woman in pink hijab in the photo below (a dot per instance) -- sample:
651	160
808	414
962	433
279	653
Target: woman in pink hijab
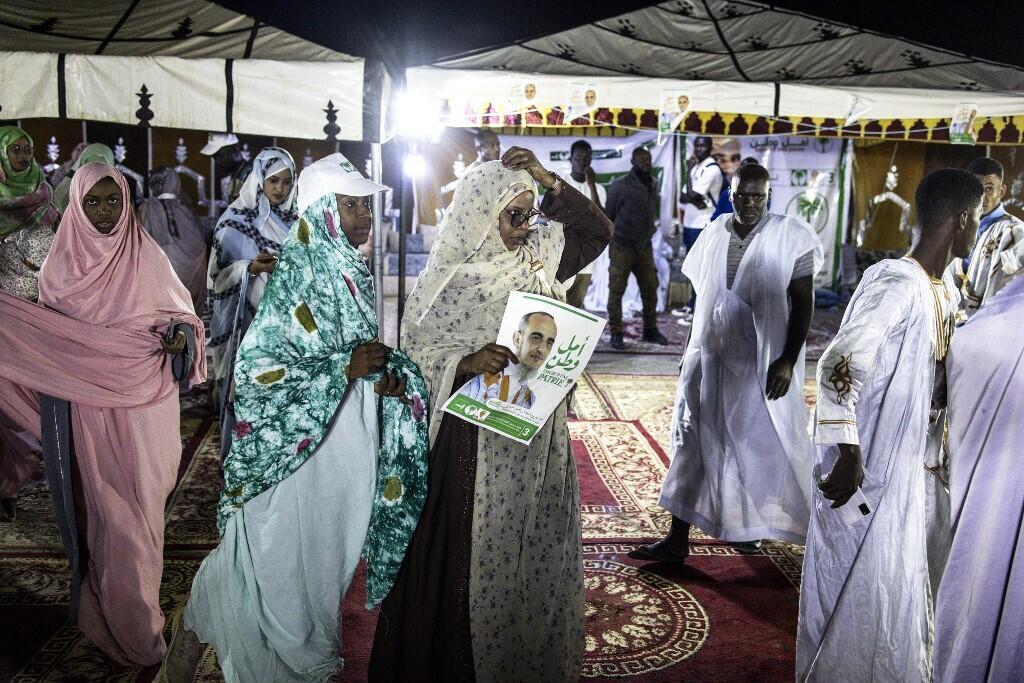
92	371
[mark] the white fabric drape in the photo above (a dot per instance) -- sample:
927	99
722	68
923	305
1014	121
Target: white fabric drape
865	600
740	467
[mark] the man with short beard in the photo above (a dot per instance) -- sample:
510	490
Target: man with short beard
533	341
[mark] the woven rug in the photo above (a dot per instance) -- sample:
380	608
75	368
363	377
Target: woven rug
724	616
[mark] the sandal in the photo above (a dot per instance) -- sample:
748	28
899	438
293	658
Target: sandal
177	642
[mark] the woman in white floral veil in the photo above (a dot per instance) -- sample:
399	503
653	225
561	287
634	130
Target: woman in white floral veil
494	569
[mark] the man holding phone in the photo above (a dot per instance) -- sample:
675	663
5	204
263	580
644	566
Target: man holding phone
865	594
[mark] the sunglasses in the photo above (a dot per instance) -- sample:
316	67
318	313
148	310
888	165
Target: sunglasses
517	217
20	149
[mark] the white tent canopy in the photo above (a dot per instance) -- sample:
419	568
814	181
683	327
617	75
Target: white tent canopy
203	67
736	57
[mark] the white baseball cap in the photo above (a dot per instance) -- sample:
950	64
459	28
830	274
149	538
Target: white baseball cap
333	175
216	141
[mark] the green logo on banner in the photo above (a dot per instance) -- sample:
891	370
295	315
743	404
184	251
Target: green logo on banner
811	207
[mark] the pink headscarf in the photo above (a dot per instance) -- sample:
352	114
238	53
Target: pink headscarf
120	280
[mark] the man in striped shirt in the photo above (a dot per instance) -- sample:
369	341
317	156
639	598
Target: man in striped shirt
741	455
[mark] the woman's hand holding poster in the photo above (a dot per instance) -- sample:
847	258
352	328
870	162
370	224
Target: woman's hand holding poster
553	343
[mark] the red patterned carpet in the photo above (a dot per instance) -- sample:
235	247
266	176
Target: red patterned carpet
726	616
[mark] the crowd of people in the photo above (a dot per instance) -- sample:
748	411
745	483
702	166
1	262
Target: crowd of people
335	448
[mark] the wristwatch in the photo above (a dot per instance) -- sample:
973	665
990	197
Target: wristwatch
557	185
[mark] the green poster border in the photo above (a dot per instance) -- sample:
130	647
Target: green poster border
570	309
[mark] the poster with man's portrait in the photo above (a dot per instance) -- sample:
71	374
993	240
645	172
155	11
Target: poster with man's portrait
673	109
582	100
553	343
961	128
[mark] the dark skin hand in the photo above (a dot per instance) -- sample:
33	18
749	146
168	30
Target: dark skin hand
780	372
175	345
367	359
372	357
491	359
846	476
265	262
392	384
522	159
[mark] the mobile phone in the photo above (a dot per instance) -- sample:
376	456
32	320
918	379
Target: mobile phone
855	509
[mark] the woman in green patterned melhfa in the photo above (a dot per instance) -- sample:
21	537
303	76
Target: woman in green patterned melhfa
328	461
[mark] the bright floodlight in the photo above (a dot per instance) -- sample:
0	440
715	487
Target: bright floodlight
418	117
415	165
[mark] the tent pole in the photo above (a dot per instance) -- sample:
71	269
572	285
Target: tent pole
85	131
149	156
378	232
408	206
213	189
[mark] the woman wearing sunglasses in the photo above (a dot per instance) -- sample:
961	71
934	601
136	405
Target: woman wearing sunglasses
494	569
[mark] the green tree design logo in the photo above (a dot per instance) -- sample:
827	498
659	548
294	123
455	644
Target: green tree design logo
812	207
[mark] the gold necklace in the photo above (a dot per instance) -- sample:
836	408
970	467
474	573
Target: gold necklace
943	323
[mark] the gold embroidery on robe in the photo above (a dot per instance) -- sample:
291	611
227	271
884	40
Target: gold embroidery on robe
840	378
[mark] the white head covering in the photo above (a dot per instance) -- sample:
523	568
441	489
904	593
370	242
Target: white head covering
333	174
270	161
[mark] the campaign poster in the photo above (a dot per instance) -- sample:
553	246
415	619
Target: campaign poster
583	98
674	106
810	179
961	129
554	343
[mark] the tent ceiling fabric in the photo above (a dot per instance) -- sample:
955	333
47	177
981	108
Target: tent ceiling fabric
203	67
729	40
178	28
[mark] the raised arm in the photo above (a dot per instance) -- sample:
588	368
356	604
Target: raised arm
587	229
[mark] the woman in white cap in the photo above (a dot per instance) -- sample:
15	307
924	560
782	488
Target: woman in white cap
328	461
246	243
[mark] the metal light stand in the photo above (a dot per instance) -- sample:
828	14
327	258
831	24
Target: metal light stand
408	206
376	168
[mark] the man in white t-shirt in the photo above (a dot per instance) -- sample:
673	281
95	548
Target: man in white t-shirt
700	196
582	178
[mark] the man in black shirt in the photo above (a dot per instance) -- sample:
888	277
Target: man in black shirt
633	205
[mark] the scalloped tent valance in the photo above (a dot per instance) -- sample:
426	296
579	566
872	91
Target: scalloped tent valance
746	68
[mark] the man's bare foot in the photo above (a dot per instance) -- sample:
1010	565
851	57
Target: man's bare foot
8	509
662	551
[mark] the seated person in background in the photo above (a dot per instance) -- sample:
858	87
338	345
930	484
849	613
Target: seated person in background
533	341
